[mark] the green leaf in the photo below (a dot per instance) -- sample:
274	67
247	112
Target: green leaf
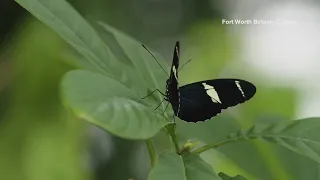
294	165
110	105
185	167
300	136
226	177
61	17
64	20
223	163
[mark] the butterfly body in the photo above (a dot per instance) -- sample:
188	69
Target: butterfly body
172	88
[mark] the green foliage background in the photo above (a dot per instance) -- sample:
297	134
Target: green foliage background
41	139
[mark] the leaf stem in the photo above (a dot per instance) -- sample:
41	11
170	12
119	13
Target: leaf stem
152	152
217	144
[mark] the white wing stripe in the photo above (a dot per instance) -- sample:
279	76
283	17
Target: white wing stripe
212	93
239	87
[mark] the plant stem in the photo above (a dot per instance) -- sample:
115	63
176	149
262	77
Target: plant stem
175	142
152	152
171	128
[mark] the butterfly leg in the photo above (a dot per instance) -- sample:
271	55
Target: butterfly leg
166	108
159	104
153	92
174	119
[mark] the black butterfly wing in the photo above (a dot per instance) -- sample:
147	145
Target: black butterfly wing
172	82
175	63
202	100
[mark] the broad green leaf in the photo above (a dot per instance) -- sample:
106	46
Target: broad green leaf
110	105
64	20
222	163
68	23
188	166
223	176
300	136
296	166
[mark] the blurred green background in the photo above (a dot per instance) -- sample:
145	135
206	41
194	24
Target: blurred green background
40	140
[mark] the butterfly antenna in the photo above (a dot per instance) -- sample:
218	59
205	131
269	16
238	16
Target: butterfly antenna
155	59
185	64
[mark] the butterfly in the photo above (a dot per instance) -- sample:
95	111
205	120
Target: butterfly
200	101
